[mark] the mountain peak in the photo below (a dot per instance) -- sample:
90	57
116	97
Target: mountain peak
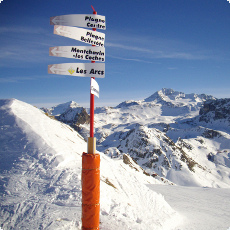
61	108
168	94
167	91
71	104
164	94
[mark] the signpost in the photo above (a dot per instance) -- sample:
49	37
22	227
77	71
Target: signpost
90	160
79	52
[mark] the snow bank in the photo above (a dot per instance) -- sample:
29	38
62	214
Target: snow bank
40	179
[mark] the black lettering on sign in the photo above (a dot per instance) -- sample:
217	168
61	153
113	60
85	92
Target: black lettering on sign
82	71
94	71
93	89
94	36
87	18
78	56
74	49
95	26
90	41
94	58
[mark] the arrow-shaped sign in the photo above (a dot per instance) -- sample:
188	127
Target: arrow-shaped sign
81	20
78	69
79	52
87	36
56	69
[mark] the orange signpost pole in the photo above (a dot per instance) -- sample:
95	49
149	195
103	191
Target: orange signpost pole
91	177
65	25
90	191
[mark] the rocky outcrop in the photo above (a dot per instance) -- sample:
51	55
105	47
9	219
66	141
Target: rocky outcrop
215	109
69	113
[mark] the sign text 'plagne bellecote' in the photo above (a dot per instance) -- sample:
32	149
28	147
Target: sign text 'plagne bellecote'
83	35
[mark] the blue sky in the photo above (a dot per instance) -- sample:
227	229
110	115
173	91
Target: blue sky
150	44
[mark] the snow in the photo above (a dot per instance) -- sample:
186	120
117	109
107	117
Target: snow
168	113
40	170
59	109
131	198
202	208
41	178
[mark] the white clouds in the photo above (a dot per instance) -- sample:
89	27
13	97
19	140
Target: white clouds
161	54
129	59
155	48
22	45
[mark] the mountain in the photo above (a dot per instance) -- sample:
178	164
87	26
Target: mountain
174	103
179	138
61	108
173	136
170	136
69	113
165	95
40	178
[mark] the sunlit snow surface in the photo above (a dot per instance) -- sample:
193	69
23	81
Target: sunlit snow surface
40	166
40	182
202	208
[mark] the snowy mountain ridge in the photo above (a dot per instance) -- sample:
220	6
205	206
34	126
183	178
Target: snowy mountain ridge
167	94
169	136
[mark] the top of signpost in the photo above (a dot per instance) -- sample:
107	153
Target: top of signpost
81	20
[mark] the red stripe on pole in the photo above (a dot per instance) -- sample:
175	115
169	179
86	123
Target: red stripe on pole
94	11
91	176
92	98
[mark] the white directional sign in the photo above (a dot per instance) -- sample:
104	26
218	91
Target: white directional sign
78	69
87	36
81	20
94	88
90	53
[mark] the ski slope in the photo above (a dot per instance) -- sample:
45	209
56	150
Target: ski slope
40	178
202	208
40	183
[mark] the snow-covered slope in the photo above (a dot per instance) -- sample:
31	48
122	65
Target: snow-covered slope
171	135
167	137
40	178
203	208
